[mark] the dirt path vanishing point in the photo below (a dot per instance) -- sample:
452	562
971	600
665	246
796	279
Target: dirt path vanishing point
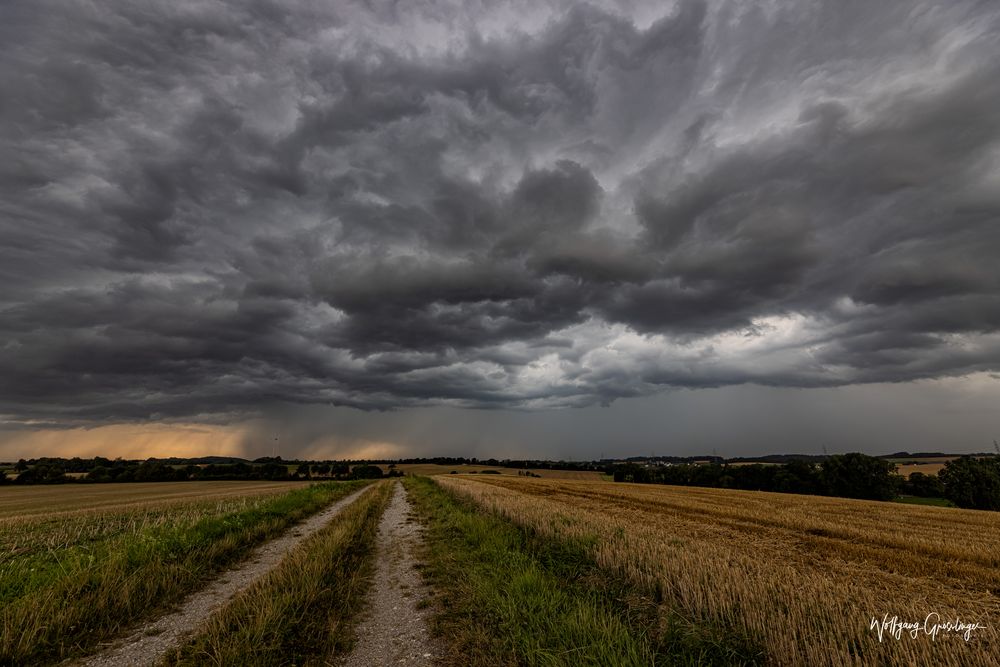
395	631
149	644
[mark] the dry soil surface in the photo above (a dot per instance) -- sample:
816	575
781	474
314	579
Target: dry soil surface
395	630
149	644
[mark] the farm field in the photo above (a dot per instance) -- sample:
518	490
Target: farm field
19	501
431	469
928	468
929	465
802	577
132	551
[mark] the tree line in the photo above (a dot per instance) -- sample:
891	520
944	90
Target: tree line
968	482
100	470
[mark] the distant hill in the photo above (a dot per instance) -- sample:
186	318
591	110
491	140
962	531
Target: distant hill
201	460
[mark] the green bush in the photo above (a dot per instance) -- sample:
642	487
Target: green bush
972	483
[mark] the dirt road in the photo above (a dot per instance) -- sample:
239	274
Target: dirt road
395	629
149	643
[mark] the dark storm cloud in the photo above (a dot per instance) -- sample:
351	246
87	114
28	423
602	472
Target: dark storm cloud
209	207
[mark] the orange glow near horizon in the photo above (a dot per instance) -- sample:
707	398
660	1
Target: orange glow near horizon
354	449
128	441
142	441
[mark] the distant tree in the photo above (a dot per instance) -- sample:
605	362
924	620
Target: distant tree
154	471
366	472
99	474
274	471
972	483
42	474
797	477
633	472
21	465
923	486
303	471
857	475
847	475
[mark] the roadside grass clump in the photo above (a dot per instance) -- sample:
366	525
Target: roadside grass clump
304	610
510	595
805	576
63	589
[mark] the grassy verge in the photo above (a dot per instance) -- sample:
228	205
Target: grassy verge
511	597
84	593
303	611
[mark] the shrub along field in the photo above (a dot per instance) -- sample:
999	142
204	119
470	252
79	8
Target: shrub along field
798	577
72	579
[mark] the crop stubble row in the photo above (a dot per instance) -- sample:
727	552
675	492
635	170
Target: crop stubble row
801	575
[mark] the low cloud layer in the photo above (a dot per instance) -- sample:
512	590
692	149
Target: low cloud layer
208	208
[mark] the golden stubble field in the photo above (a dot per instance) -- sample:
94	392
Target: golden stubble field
803	576
23	501
431	469
40	523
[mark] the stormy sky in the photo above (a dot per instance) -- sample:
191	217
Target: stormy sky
534	228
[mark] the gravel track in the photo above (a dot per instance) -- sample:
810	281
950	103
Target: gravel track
149	643
395	630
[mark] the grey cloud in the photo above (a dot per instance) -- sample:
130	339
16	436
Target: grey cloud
209	209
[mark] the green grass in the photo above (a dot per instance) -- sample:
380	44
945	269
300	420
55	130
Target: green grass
303	611
917	500
59	601
511	597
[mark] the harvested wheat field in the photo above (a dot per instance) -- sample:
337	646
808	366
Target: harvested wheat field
22	501
907	469
431	469
802	576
